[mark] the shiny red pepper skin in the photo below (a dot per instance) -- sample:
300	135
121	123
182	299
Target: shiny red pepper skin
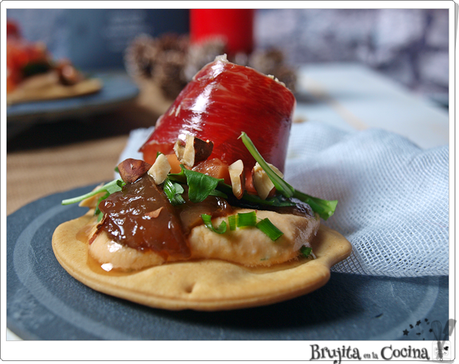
223	100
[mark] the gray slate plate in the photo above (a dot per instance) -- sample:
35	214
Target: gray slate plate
44	302
117	90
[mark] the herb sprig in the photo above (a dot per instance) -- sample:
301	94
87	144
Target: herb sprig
324	208
107	189
173	192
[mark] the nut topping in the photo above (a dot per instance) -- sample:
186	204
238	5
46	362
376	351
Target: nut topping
132	169
179	148
193	151
188	153
203	150
236	172
160	169
261	181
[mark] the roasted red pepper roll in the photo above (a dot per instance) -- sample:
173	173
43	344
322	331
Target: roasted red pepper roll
223	100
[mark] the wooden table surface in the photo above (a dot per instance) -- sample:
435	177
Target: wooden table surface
52	157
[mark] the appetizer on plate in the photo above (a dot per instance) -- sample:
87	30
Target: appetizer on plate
206	221
32	74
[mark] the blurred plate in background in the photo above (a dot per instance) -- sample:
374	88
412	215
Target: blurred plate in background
117	90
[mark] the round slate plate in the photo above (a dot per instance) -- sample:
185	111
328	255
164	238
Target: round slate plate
117	89
44	302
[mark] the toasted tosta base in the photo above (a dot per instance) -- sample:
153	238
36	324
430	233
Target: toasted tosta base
47	87
204	285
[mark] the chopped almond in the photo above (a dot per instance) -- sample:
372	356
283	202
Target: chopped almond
189	153
236	172
193	151
261	181
179	149
160	169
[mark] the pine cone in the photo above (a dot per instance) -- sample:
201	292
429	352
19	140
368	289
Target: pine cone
140	56
168	73
202	53
170	61
160	60
271	62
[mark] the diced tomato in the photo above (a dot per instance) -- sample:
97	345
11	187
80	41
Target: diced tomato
249	187
215	168
174	162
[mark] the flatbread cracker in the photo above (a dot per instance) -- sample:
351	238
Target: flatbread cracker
204	285
47	87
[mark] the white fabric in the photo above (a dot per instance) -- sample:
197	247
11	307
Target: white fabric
137	138
393	196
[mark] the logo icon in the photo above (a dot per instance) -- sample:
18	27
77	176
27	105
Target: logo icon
442	348
445	353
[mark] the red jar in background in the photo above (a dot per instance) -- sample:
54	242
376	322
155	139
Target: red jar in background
234	25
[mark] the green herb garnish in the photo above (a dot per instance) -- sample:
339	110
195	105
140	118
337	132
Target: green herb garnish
200	185
109	188
232	220
218	193
208	223
324	208
305	251
173	192
269	229
281	186
246	219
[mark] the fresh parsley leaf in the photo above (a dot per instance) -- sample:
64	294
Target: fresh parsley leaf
173	192
200	185
218	193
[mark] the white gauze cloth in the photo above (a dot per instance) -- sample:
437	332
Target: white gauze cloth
393	196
